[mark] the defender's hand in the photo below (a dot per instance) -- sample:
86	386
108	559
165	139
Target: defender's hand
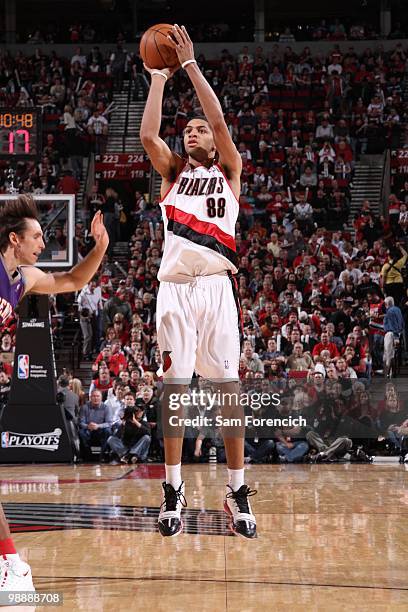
183	44
98	231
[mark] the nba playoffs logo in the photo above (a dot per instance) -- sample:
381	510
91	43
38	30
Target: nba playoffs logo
48	441
23	367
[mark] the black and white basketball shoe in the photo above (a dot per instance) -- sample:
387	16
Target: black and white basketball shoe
237	506
170	521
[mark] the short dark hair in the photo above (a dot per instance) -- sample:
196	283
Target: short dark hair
63	381
199	117
13	216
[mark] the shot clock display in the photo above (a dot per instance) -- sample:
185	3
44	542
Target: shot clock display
20	133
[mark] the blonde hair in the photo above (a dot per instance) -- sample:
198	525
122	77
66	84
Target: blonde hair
76	386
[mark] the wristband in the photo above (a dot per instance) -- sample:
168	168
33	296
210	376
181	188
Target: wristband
187	62
160	73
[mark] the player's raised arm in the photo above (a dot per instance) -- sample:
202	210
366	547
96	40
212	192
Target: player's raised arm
37	281
227	151
163	160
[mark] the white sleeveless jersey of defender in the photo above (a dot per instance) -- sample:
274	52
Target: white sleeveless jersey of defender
199	214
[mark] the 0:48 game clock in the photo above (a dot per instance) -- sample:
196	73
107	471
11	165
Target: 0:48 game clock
20	133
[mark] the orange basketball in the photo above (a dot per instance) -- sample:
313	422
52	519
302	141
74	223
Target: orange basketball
155	48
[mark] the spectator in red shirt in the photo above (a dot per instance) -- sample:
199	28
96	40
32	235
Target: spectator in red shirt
344	150
323	345
265	312
266	292
120	328
104	355
68	183
117	361
362	74
328	248
103	382
114	357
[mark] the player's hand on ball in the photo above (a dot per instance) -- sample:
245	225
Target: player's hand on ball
183	45
98	231
167	71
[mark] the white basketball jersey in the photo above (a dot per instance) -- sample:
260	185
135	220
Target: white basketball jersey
199	214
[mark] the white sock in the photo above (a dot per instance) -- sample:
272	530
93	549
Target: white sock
173	475
236	478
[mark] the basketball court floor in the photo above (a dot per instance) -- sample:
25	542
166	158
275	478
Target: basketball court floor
331	537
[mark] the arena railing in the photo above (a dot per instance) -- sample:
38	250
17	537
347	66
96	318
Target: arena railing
89	182
128	101
75	356
386	183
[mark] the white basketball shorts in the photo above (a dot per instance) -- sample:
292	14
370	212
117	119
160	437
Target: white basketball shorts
198	329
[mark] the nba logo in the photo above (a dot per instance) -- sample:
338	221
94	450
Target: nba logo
23	365
4	439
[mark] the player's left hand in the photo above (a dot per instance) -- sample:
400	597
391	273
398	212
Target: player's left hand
98	231
182	43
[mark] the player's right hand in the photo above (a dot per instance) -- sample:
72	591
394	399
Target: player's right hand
182	43
167	71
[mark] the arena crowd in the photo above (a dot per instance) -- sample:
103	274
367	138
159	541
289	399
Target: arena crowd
319	289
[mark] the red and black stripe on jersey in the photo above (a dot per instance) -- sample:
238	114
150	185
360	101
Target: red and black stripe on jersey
235	293
203	233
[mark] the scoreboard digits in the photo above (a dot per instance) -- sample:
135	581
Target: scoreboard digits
11	120
20	133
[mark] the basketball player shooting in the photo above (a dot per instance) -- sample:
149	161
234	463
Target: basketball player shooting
21	243
197	308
